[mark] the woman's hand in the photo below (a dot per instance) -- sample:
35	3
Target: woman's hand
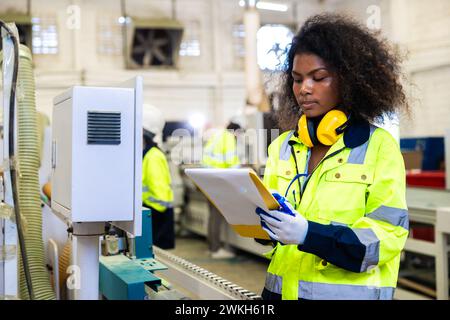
285	227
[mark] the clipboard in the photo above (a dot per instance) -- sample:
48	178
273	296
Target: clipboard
236	193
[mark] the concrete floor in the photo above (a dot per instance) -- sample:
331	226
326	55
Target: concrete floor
245	269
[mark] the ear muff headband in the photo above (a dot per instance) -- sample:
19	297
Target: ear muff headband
312	126
328	131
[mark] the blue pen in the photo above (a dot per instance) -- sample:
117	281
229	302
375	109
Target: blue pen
282	201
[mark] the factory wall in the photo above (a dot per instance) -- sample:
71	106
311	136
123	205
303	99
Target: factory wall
213	82
200	83
424	30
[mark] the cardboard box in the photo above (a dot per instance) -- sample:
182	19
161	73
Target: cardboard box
413	159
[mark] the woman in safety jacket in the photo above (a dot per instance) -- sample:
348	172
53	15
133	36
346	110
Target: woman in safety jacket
345	220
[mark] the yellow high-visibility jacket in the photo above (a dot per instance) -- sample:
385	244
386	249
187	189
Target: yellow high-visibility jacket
221	151
156	190
358	224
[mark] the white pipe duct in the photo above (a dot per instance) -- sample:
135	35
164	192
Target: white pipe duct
252	72
253	78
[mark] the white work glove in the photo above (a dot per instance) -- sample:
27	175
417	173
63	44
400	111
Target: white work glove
287	226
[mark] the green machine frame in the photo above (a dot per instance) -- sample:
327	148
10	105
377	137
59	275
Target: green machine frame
124	278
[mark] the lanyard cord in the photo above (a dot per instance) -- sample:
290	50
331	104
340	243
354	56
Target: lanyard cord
296	169
297	176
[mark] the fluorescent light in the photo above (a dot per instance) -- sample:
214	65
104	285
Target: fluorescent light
266	5
251	3
271	6
123	20
197	120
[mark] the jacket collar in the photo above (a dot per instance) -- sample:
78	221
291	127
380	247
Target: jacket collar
357	133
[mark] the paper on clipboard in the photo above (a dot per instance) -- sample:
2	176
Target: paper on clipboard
236	193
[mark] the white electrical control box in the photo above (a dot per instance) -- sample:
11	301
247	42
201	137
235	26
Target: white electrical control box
97	154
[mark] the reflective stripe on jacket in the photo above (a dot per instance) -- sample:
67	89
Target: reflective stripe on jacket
156	190
220	151
358	220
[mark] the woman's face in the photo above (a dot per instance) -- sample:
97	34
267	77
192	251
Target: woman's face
315	85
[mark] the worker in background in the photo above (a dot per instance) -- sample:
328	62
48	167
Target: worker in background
220	151
157	193
345	220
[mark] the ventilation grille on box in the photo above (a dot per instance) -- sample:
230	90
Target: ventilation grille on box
103	127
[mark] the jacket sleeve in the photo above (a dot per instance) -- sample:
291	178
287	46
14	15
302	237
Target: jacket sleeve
270	176
381	234
270	181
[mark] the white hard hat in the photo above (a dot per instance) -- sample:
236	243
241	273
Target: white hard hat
152	119
239	119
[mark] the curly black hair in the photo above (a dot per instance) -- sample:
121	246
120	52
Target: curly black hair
368	68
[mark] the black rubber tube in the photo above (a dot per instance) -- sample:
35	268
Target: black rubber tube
11	128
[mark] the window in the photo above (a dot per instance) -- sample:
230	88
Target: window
272	43
44	35
238	46
109	36
239	40
190	44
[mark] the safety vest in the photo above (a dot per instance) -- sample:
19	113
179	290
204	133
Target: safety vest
220	151
156	190
361	188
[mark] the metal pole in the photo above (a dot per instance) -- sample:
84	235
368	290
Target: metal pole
124	31
218	110
174	9
28	7
252	72
87	255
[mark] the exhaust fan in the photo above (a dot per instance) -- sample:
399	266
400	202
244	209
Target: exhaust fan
153	43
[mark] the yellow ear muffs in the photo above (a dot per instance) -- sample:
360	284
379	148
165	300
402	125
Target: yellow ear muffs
326	130
303	132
